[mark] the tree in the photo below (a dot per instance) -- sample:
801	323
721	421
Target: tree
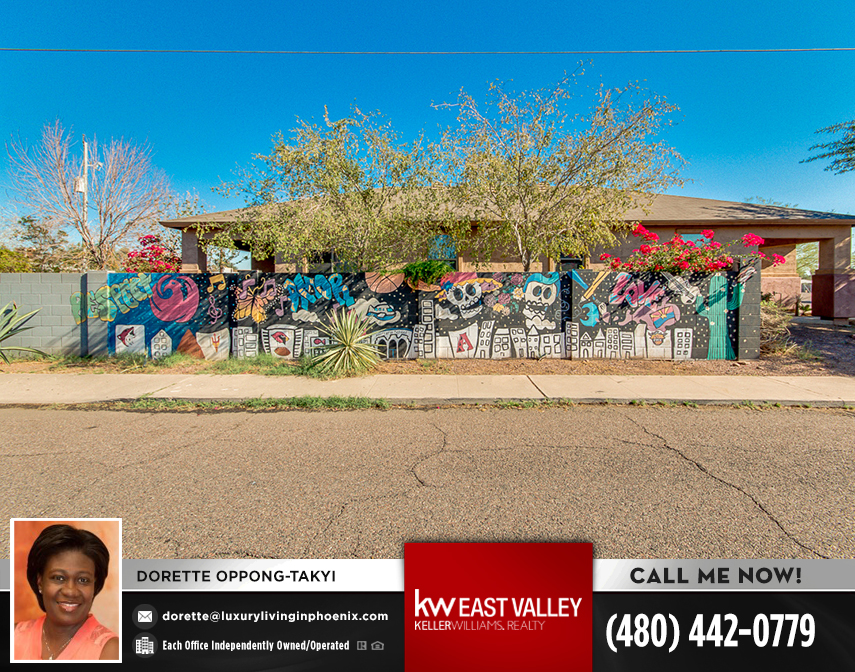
351	186
841	151
12	261
45	246
542	182
127	194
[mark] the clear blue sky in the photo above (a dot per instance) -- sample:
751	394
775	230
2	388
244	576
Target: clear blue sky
745	120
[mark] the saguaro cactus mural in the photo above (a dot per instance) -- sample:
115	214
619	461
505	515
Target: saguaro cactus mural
715	309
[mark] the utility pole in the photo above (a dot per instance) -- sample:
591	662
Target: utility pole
81	186
85	181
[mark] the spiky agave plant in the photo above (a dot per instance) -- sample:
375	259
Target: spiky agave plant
350	351
12	324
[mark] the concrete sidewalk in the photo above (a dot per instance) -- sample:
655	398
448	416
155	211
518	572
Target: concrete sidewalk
42	388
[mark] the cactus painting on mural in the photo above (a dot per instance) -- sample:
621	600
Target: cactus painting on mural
715	308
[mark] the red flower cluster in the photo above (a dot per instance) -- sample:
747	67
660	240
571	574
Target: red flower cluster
153	257
684	256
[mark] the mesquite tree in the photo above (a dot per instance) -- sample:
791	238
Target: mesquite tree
538	180
351	186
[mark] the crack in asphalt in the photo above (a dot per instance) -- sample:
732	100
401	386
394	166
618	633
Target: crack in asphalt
358	500
739	489
59	452
429	456
138	463
341	509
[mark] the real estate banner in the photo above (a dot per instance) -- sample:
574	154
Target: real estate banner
480	606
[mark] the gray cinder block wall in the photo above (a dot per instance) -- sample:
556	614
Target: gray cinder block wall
748	327
54	328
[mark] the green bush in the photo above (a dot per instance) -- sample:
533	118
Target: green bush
350	351
427	272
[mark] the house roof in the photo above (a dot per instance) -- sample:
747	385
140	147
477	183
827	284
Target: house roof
664	208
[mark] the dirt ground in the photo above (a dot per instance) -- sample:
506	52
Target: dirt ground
825	349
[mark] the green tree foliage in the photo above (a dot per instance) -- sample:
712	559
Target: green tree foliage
842	155
841	151
12	261
44	244
351	186
543	181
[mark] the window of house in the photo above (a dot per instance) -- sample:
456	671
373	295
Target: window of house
570	263
443	249
327	262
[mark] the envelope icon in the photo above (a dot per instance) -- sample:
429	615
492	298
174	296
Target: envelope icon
144	616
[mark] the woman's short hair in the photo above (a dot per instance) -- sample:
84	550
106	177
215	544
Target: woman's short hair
57	539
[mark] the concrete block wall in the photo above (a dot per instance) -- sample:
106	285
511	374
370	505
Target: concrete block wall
54	328
748	327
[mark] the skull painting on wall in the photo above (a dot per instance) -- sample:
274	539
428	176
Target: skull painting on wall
540	294
466	298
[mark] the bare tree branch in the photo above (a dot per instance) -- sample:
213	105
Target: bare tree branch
127	194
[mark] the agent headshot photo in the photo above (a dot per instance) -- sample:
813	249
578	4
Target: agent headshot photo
66	569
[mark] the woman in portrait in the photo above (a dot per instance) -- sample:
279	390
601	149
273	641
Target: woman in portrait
66	568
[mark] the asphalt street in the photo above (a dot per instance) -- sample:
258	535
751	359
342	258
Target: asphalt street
639	482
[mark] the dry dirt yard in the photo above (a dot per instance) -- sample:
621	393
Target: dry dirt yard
822	349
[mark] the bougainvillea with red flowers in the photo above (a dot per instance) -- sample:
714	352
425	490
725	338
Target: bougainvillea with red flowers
680	256
152	257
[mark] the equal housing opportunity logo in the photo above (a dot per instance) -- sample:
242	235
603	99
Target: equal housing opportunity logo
498	606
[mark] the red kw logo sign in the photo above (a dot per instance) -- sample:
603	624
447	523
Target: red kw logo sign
498	606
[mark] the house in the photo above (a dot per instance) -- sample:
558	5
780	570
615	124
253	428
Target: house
781	228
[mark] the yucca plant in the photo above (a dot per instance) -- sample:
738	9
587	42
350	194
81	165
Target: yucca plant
11	324
350	351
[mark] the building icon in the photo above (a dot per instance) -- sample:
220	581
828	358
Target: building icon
144	645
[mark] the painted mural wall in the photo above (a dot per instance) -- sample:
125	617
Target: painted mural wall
654	316
491	316
579	314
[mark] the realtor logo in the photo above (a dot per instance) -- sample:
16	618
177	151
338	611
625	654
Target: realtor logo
498	606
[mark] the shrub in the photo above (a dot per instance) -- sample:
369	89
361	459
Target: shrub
152	257
350	351
679	256
426	272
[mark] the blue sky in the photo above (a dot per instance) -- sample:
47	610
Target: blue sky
745	120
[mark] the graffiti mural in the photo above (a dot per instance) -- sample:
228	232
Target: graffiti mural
118	296
579	314
161	313
652	316
490	316
293	305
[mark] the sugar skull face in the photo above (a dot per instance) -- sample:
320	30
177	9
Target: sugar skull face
538	297
540	294
466	298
